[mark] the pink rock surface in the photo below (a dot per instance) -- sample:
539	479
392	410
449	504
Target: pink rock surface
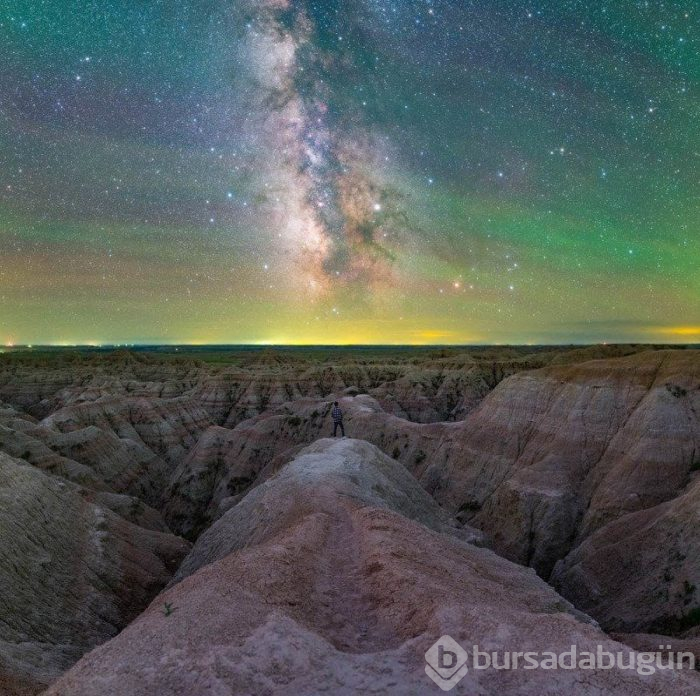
586	470
341	595
72	572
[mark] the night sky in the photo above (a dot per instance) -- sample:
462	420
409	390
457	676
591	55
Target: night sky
355	171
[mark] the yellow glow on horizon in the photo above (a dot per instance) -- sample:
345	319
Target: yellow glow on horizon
434	335
397	332
680	330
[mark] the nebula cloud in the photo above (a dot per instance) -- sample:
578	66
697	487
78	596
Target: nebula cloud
320	171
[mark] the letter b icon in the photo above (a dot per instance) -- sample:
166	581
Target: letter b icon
447	659
447	663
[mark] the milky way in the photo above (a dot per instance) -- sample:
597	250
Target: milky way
358	171
317	162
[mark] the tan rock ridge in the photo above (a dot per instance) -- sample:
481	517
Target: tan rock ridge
72	573
336	575
548	458
225	463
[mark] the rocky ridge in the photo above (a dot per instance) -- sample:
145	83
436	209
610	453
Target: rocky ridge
585	470
338	574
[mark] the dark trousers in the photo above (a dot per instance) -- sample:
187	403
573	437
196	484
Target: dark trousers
335	428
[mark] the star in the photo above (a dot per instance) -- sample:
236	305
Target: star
386	160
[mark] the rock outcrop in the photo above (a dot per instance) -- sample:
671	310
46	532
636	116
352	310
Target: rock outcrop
42	384
570	463
226	462
642	571
548	459
167	427
72	572
337	575
320	475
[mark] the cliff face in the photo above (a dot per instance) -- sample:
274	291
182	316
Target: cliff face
73	572
641	571
573	460
586	472
339	573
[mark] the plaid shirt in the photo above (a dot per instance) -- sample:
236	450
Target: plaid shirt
337	414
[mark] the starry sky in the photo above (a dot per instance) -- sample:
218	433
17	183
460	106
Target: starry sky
349	171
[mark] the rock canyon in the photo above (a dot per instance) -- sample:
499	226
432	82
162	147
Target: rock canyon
179	521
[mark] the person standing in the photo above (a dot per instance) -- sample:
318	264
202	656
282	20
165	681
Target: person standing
337	416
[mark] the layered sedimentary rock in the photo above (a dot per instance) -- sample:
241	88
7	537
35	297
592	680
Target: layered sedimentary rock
642	571
226	462
426	390
90	457
41	385
337	575
593	464
549	458
72	573
167	427
316	479
585	471
420	385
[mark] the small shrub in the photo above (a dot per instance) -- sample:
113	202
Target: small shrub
396	453
294	421
689	620
168	609
676	391
420	456
238	484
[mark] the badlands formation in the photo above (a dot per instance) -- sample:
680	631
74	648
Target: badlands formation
181	523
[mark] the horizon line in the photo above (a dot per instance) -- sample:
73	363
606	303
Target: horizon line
98	346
